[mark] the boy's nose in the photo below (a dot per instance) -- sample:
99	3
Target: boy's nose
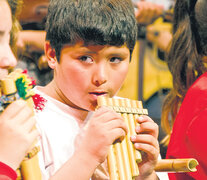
100	75
7	58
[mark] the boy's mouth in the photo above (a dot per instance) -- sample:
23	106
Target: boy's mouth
98	93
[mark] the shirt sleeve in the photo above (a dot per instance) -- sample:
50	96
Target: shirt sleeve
7	173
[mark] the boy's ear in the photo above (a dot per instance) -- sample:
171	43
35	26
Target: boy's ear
50	54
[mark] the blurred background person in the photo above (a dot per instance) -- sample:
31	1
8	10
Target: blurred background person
31	40
185	108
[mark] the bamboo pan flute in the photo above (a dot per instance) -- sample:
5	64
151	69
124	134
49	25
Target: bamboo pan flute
123	157
14	86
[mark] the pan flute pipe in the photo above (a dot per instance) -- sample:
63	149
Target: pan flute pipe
177	165
124	151
18	85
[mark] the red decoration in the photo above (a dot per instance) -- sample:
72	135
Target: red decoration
39	102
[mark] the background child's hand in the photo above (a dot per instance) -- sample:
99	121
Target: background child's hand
16	133
147	12
146	141
103	128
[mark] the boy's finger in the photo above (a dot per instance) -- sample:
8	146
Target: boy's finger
144	118
152	151
29	124
146	139
23	115
148	127
34	135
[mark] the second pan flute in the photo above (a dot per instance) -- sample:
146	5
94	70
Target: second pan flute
123	157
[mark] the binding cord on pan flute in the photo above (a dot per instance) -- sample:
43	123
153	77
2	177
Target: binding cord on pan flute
18	85
123	157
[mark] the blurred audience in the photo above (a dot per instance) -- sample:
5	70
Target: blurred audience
31	40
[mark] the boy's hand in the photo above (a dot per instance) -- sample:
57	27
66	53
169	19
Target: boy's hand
146	141
16	133
103	128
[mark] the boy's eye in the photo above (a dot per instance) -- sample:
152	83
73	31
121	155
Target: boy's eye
86	59
115	60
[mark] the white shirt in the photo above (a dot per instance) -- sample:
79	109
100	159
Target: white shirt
57	127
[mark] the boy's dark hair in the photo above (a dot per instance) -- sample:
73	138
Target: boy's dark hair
97	22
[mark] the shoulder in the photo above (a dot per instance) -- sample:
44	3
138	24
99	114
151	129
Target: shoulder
200	85
196	96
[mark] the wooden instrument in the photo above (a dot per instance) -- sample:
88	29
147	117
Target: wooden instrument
18	85
122	156
176	165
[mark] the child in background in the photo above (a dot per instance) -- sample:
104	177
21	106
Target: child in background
185	108
89	44
16	121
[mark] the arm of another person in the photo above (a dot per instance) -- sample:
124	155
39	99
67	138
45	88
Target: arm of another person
33	40
147	12
162	38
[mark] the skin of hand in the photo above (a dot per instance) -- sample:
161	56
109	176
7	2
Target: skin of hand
31	40
147	12
16	133
146	141
161	38
103	128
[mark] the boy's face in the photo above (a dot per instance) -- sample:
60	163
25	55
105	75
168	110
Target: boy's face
84	73
7	59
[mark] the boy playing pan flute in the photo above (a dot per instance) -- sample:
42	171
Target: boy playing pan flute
89	44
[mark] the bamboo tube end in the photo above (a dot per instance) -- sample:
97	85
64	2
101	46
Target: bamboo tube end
192	165
8	86
185	165
177	165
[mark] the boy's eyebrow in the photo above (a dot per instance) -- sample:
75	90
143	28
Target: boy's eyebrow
119	54
111	54
90	52
87	50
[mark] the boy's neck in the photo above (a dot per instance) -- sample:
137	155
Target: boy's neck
78	113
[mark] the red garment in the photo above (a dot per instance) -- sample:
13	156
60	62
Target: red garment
7	173
189	134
